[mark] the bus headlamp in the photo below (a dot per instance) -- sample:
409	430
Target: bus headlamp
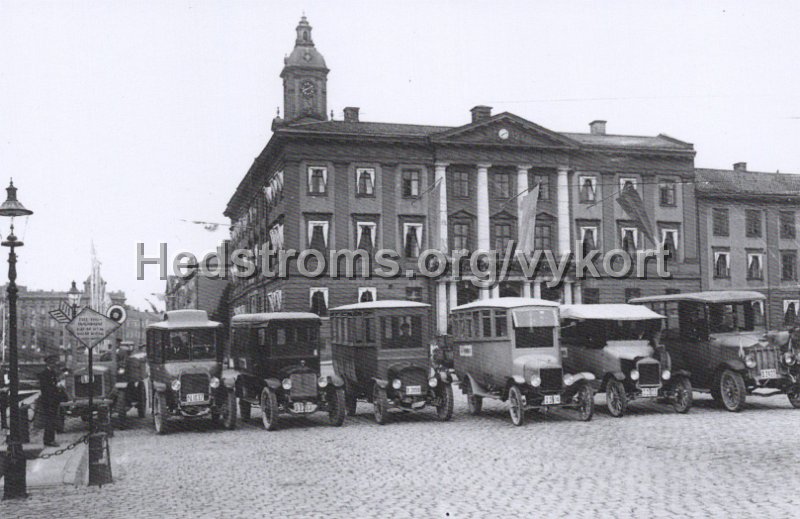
397	384
176	385
286	384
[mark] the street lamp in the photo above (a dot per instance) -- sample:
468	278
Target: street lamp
14	486
73	297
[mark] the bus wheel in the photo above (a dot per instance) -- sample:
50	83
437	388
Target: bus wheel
516	404
269	409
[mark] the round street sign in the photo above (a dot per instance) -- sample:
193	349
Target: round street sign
117	313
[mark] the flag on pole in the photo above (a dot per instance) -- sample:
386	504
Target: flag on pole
527	221
632	203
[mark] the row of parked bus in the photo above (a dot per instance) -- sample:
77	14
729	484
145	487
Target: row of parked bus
530	353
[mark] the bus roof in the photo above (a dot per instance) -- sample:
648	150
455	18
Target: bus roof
266	317
610	312
385	303
713	296
176	319
506	302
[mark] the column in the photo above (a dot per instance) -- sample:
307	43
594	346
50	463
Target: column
453	287
522	187
577	293
526	289
537	289
563	211
441	308
484	242
441	178
568	292
495	292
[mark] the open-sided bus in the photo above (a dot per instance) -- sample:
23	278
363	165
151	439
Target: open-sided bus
619	344
184	356
508	348
382	351
720	337
276	367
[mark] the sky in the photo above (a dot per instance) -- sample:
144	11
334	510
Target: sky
119	120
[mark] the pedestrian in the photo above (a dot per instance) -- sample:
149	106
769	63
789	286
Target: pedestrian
4	397
49	399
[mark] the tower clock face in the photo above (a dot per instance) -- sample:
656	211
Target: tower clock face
308	89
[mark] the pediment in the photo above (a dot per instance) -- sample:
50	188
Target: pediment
462	214
505	129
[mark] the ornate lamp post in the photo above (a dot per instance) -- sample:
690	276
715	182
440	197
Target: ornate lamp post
15	485
73	298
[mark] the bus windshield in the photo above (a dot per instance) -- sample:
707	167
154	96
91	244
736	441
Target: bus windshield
191	345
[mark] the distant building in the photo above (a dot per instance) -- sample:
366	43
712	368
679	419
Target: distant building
199	293
748	236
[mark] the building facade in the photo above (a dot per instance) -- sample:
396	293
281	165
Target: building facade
329	184
748	231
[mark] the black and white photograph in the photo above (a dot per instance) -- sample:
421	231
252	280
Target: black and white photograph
423	259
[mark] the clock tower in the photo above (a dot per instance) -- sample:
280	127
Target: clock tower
305	78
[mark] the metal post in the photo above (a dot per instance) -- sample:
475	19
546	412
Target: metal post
91	392
15	486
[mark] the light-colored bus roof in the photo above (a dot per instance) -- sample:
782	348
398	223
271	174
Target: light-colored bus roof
176	319
506	302
385	303
713	296
610	312
265	317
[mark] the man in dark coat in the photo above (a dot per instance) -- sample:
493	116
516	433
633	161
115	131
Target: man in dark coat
49	399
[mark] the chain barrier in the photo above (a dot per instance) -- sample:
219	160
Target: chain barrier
59	452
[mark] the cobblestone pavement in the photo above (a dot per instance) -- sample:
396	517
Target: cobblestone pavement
651	463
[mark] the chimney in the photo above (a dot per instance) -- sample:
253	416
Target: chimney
597	127
351	114
740	166
481	113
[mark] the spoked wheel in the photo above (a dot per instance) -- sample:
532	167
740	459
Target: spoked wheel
350	400
794	396
336	407
229	413
616	399
585	400
732	390
380	405
516	404
244	409
444	408
269	409
474	402
160	413
682	395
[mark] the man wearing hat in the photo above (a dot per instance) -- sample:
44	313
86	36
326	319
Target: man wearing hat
49	399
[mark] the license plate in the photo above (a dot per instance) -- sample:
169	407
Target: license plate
413	390
649	392
769	373
552	399
195	397
303	407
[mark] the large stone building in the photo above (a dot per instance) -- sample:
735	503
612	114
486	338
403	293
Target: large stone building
350	184
748	232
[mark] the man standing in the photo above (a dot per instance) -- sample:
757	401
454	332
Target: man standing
49	399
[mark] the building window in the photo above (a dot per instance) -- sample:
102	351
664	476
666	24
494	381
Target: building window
410	183
318	301
412	239
461	231
632	293
414	294
588	189
669	242
502	185
666	193
788	265
755	265
275	300
627	181
588	240
367	294
317	181
787	225
542	237
590	296
752	223
276	236
544	185
722	264
461	184
365	181
502	235
318	234
366	236
630	240
790	310
721	222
